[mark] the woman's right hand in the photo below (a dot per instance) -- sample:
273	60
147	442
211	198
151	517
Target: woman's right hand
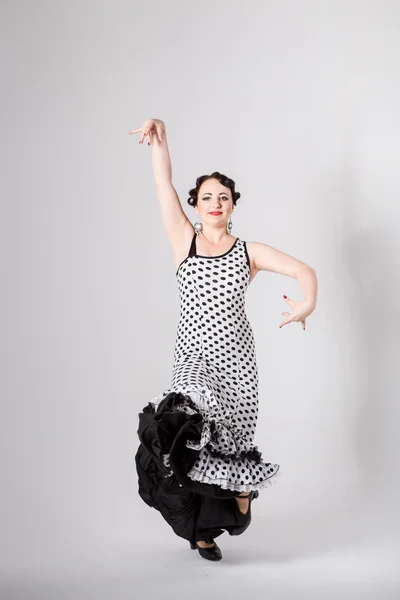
150	127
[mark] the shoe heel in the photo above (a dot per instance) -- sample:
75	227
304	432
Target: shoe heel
193	546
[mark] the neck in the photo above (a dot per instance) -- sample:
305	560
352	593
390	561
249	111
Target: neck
215	238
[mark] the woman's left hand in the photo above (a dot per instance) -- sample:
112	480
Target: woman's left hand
301	310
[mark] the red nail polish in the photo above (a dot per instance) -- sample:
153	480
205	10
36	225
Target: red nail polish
284	296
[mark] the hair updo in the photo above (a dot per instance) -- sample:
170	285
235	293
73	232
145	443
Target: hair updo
226	181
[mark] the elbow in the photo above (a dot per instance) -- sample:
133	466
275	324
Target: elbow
304	267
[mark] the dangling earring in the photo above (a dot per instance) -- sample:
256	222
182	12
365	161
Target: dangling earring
229	226
198	226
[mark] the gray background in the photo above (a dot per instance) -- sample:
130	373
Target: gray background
297	101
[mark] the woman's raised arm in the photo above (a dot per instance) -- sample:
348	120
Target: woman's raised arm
178	227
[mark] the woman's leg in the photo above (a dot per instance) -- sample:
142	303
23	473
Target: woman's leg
243	502
204	544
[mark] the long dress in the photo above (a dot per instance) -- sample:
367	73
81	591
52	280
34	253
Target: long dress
197	436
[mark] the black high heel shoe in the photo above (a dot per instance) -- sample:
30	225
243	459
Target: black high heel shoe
213	553
253	494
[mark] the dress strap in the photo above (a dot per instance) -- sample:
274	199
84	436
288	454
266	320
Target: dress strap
192	251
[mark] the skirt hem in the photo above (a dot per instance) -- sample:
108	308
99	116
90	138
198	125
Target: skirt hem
224	484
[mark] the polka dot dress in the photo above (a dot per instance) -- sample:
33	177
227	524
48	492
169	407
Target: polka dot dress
215	365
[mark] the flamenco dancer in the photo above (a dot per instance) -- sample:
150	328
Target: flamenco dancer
197	463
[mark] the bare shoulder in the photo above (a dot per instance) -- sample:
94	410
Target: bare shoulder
252	248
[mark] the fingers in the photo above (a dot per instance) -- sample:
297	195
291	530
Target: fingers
288	300
148	131
291	317
292	320
288	320
285	322
143	136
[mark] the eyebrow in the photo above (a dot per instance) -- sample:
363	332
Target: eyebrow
221	193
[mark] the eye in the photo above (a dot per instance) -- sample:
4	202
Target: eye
222	198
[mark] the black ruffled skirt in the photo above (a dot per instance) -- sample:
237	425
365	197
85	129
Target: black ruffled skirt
195	510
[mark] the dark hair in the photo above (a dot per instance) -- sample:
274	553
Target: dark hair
226	181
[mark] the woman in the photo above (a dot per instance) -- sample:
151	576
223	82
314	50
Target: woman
196	462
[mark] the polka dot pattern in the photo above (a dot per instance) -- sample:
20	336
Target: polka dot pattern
215	364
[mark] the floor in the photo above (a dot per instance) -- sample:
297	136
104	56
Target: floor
343	559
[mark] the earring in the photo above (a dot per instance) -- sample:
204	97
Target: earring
198	226
229	226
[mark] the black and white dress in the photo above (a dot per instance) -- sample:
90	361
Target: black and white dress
215	368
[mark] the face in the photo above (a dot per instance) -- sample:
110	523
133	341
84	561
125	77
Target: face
213	196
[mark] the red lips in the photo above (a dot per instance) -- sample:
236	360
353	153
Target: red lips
215	213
